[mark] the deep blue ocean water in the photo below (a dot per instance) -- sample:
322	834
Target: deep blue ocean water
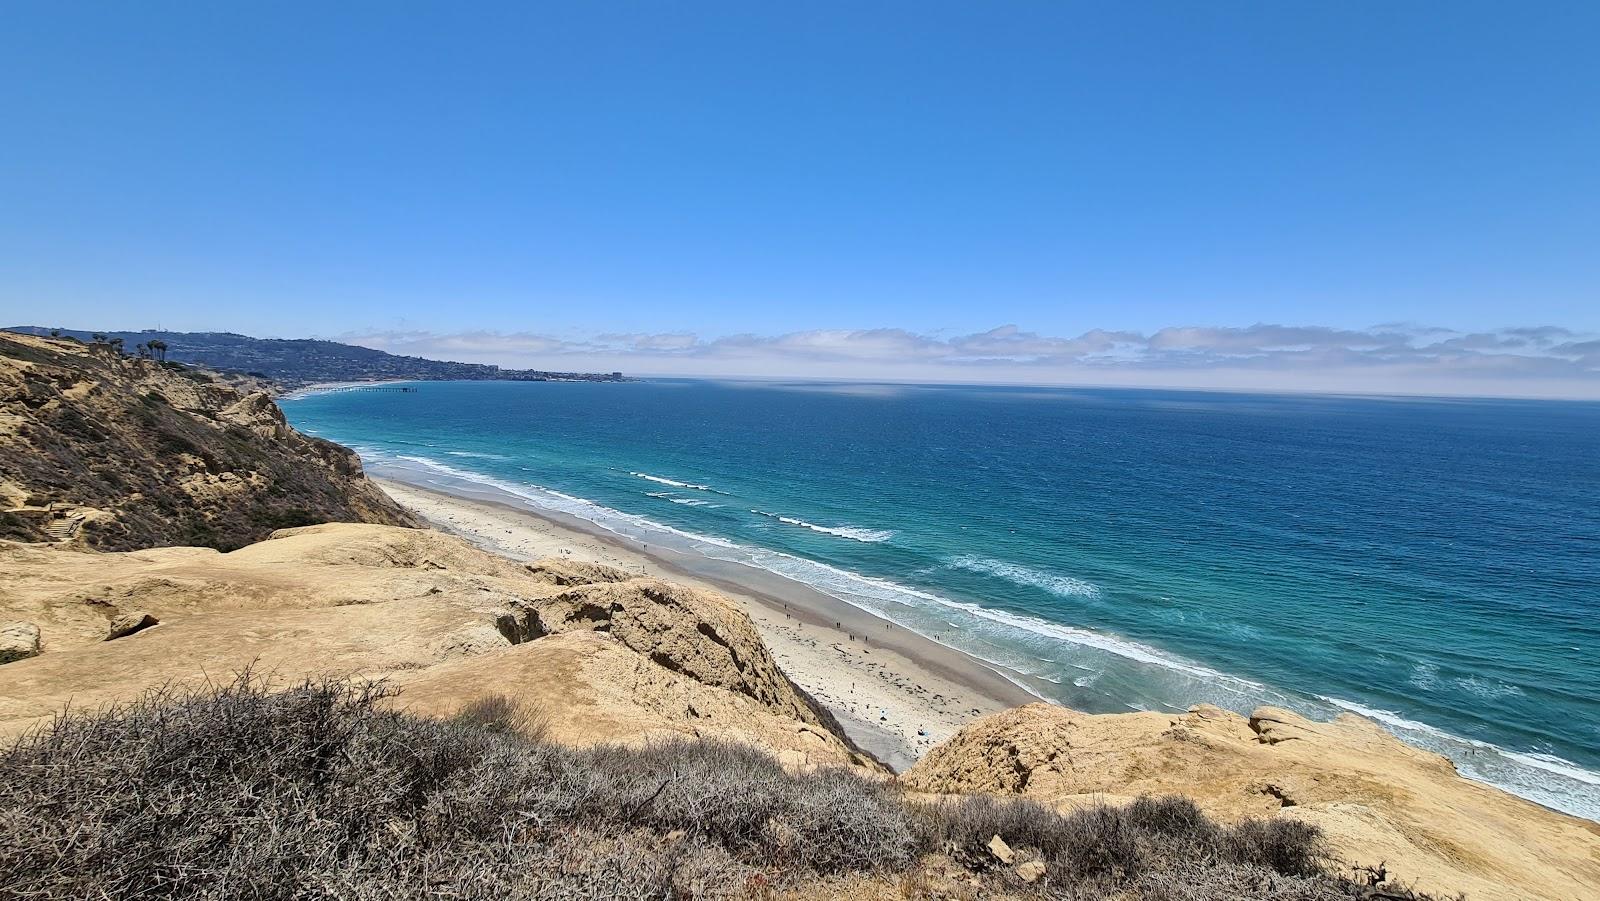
1433	564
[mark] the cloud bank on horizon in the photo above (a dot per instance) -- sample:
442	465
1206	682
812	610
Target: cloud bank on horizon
1393	358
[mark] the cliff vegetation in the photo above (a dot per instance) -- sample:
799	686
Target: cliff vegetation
119	452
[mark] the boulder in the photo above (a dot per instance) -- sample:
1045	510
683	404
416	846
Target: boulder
18	641
129	623
1001	850
698	634
1031	871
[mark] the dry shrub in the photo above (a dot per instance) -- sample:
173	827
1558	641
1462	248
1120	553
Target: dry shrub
320	792
1286	846
962	827
1173	816
743	800
1153	848
1087	844
1098	842
499	713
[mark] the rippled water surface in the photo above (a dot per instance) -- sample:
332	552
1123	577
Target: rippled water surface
1433	564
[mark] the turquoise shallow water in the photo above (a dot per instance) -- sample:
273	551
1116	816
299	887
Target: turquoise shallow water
1433	564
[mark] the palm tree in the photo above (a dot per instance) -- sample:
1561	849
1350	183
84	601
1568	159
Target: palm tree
158	347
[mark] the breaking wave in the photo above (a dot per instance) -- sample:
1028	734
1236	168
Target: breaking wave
662	480
686	501
626	524
1063	586
870	536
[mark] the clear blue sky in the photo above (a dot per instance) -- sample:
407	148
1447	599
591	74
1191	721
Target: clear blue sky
292	169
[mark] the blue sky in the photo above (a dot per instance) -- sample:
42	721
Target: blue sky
516	181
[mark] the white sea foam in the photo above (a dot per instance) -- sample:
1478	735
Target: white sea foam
661	480
1055	583
686	501
1546	778
330	387
1396	722
1425	676
476	455
1488	689
870	536
1121	647
1555	764
627	524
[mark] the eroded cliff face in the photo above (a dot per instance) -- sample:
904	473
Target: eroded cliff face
117	453
1380	801
598	654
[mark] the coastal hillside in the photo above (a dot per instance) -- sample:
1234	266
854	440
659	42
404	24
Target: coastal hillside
1385	806
297	362
117	452
606	657
498	729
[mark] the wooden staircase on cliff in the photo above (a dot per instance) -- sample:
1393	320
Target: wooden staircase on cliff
61	521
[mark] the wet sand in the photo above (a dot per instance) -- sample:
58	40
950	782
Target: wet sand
896	693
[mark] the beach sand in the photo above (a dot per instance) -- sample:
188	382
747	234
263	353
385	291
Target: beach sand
896	693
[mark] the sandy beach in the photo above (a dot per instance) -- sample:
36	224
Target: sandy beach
324	387
896	692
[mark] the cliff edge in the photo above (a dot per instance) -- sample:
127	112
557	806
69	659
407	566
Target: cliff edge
1381	803
602	656
116	453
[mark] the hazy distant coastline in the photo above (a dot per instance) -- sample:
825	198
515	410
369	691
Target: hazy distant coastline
301	363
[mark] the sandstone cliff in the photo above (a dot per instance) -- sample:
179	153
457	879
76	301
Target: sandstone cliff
117	453
1380	801
602	656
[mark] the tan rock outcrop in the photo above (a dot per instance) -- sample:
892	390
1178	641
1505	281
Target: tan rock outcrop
692	632
616	659
1001	851
589	688
18	641
129	623
1379	800
1030	871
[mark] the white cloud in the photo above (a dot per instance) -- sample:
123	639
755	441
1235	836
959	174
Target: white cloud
1390	358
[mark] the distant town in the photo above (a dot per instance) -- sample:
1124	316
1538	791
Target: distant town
296	363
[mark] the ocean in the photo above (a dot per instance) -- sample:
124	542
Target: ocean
1433	564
